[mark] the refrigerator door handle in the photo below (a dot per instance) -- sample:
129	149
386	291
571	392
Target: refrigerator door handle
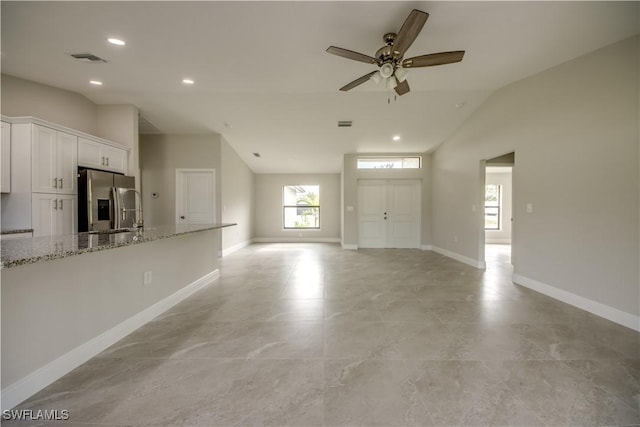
116	207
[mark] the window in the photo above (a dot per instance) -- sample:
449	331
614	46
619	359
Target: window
492	206
301	207
389	163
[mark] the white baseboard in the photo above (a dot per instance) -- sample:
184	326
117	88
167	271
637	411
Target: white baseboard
296	239
426	247
498	241
27	386
470	261
350	247
618	316
234	248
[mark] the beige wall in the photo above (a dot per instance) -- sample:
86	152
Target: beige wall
236	198
26	98
119	123
51	308
574	129
351	175
160	156
268	207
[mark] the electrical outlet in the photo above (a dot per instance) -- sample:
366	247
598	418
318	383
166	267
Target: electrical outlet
147	277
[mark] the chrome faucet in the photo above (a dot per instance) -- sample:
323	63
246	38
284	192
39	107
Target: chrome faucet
136	223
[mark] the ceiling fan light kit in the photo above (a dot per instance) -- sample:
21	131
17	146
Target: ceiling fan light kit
389	58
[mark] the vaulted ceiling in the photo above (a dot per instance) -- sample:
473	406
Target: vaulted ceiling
264	81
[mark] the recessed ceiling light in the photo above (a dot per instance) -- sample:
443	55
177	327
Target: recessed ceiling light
115	41
396	138
188	81
95	82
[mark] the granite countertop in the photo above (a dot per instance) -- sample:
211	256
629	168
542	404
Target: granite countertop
31	250
16	231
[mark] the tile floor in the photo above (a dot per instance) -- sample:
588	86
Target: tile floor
312	335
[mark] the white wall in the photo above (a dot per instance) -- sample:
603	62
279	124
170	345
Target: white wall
574	129
352	174
236	199
503	178
268	207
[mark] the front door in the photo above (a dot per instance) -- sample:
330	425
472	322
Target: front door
195	196
389	213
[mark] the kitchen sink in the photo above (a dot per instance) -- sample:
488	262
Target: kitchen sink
114	231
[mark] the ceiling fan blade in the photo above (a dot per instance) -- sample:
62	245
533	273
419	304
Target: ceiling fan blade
433	59
357	82
402	88
409	31
349	54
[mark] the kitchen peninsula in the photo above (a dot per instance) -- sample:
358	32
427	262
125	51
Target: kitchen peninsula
66	298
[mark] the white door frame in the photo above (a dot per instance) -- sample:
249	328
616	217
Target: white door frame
480	211
178	188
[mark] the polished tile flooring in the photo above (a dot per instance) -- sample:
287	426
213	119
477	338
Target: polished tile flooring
313	335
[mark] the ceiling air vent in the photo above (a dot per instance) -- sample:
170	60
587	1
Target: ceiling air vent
87	57
345	123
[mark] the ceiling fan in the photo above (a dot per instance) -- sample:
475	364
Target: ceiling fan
394	69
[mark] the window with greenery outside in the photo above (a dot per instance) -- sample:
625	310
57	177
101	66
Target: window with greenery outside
492	207
301	207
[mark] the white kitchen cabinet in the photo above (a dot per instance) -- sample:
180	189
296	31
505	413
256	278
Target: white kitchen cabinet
54	161
54	214
93	154
5	158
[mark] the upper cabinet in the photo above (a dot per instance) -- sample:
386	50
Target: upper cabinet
54	159
93	154
5	158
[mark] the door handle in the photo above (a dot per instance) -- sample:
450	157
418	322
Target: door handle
61	186
60	205
55	182
55	204
107	161
182	217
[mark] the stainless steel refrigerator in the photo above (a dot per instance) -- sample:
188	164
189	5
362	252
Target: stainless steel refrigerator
105	201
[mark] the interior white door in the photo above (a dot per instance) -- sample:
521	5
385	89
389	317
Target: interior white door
389	213
403	213
195	196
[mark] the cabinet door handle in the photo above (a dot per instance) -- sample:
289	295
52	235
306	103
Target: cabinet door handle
60	205
61	186
55	182
107	161
55	204
102	160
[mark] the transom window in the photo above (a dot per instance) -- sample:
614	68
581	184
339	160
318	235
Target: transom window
492	206
391	162
301	206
